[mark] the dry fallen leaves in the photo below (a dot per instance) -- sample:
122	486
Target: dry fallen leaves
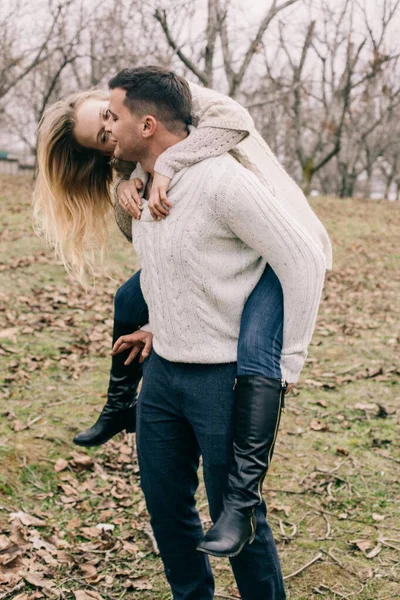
318	425
364	545
38	581
27	520
87	595
378	517
82	461
139	583
60	465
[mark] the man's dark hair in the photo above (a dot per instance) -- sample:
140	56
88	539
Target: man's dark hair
156	91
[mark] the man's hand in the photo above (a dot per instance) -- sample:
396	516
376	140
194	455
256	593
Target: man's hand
140	342
289	388
159	204
129	198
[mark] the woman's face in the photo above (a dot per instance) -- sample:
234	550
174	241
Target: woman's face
91	118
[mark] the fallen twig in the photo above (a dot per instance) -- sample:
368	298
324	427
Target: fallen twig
311	562
10	593
30	423
345	371
149	533
385	543
277	491
331	514
328	529
227	597
334	470
283	530
335	560
322	586
341	565
380	453
58	403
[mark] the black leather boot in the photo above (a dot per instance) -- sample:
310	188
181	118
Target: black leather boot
119	412
258	405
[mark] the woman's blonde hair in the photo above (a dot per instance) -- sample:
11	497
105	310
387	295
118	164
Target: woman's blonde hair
71	200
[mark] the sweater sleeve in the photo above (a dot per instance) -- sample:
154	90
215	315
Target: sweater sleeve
258	219
221	124
202	143
212	109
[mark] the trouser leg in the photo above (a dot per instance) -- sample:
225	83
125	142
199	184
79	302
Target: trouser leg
209	407
258	403
168	455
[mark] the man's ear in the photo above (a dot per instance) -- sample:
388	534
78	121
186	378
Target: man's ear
149	126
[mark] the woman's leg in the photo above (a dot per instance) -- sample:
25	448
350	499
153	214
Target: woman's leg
259	399
261	329
119	413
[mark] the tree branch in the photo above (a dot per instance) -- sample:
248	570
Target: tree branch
38	58
271	14
161	17
212	32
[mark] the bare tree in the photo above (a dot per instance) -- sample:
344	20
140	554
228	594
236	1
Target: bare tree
217	23
15	62
389	166
87	44
322	97
321	85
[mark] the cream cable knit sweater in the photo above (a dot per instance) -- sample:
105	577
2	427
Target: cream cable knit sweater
201	263
223	125
213	110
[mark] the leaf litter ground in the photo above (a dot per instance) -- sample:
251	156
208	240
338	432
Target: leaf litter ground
74	525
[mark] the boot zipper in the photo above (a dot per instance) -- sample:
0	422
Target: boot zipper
235	384
284	385
280	410
253	530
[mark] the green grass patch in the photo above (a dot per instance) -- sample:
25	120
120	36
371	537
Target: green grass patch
333	488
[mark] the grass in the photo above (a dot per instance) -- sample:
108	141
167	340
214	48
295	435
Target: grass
332	491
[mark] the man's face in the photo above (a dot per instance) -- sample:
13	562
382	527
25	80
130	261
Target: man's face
125	128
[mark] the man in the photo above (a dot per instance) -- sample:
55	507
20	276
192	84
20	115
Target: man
198	268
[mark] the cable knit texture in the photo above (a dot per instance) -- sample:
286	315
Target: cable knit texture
198	145
213	113
201	263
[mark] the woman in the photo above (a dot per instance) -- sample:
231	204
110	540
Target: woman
71	206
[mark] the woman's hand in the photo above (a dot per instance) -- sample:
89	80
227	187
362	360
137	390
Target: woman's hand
140	342
289	388
128	197
159	204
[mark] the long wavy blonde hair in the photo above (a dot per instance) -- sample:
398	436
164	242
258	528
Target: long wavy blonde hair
71	200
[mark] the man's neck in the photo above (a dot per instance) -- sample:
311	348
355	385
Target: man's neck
160	145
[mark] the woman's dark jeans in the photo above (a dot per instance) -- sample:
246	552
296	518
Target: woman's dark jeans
261	331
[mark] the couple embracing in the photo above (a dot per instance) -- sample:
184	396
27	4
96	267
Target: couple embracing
232	269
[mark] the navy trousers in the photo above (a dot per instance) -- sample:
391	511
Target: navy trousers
184	411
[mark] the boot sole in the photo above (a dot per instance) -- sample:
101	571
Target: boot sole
225	554
104	441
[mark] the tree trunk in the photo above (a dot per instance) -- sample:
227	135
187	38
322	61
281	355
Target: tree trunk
348	184
397	191
389	181
368	184
307	175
